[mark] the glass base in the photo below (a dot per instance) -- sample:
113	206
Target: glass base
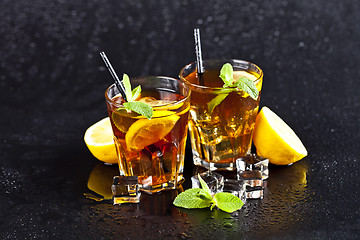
127	199
213	166
125	189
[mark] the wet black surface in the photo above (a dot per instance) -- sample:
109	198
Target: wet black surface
52	88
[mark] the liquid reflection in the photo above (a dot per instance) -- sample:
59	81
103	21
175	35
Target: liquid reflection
100	181
161	203
155	215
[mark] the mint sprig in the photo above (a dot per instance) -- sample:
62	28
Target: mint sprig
244	84
131	95
201	198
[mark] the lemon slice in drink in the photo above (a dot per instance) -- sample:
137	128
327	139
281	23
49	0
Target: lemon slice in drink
99	140
275	140
145	132
161	104
252	77
121	119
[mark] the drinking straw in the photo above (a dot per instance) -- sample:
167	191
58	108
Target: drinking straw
199	62
118	83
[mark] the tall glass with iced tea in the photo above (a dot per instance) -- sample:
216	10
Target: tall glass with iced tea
152	149
222	120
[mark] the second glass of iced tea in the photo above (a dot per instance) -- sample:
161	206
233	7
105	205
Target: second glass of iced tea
222	120
152	149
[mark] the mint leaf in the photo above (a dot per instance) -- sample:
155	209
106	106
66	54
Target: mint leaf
127	86
215	101
140	108
203	184
205	188
227	202
248	86
205	195
192	199
136	92
131	95
226	74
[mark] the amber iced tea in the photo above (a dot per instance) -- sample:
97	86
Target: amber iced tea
224	133
152	149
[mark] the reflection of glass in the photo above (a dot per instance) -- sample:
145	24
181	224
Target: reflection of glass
100	181
160	204
155	215
222	121
152	149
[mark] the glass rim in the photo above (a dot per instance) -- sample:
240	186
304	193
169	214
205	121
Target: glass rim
178	102
217	59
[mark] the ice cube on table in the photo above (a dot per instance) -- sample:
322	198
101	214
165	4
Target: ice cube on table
237	187
125	189
251	178
253	162
253	183
254	193
214	180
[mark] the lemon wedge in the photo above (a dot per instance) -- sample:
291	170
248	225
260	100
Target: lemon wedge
99	140
275	140
145	132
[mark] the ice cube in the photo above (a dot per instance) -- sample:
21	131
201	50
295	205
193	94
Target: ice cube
161	159
145	163
251	178
168	154
214	180
253	162
236	187
125	189
253	183
254	193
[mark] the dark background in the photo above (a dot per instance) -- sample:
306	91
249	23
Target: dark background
52	84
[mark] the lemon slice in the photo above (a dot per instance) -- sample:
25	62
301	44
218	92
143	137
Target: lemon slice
99	140
145	132
275	140
154	102
121	119
252	77
161	104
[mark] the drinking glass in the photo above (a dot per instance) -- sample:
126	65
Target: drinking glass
222	119
152	149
